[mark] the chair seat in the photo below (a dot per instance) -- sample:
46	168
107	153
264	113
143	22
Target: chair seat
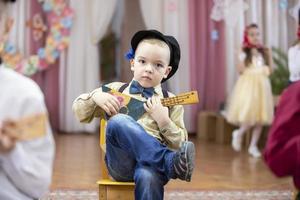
112	182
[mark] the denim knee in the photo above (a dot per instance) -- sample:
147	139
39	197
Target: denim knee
149	185
145	178
118	120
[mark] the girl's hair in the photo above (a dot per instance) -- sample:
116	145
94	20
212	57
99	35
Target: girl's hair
264	51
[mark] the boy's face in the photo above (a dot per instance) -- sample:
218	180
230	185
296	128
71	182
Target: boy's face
150	64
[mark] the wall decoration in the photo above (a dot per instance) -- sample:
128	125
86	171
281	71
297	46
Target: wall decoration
214	35
59	22
38	26
283	4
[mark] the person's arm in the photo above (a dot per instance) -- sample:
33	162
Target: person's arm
283	146
84	107
90	105
270	59
29	164
171	125
175	132
240	60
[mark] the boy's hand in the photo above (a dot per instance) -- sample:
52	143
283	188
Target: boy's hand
157	111
107	102
8	136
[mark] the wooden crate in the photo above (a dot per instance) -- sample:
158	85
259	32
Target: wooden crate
206	125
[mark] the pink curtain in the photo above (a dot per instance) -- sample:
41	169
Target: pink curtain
47	79
207	57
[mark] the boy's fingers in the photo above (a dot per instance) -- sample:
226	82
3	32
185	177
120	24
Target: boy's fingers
112	109
115	104
106	109
149	103
147	108
115	99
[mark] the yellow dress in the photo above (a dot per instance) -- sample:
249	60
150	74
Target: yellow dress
251	101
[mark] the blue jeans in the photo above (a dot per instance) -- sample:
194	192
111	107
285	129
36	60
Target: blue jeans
133	154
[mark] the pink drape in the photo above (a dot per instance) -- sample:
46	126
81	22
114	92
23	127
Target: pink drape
47	79
207	57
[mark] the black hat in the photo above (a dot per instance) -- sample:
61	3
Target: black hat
169	40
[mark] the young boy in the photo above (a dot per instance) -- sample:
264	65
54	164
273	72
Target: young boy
144	150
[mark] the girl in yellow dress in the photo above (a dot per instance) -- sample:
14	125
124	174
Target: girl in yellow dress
251	102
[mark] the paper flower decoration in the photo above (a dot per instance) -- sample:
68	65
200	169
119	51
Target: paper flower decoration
59	19
38	26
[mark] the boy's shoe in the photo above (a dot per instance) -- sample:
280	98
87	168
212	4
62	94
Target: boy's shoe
236	142
254	151
184	161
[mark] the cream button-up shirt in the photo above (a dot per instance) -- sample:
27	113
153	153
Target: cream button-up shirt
171	135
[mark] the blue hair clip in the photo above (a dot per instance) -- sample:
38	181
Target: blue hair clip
130	54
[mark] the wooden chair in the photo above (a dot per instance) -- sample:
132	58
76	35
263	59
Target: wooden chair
113	190
108	188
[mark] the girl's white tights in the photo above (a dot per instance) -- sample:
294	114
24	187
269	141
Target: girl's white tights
255	135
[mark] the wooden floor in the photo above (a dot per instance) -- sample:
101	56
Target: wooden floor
217	167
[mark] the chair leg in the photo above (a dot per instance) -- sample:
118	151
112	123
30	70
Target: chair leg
102	192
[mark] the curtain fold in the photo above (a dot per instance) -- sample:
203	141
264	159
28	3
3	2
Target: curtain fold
207	57
234	33
152	12
79	70
101	15
19	35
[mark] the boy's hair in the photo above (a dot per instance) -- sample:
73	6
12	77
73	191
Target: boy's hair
155	41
